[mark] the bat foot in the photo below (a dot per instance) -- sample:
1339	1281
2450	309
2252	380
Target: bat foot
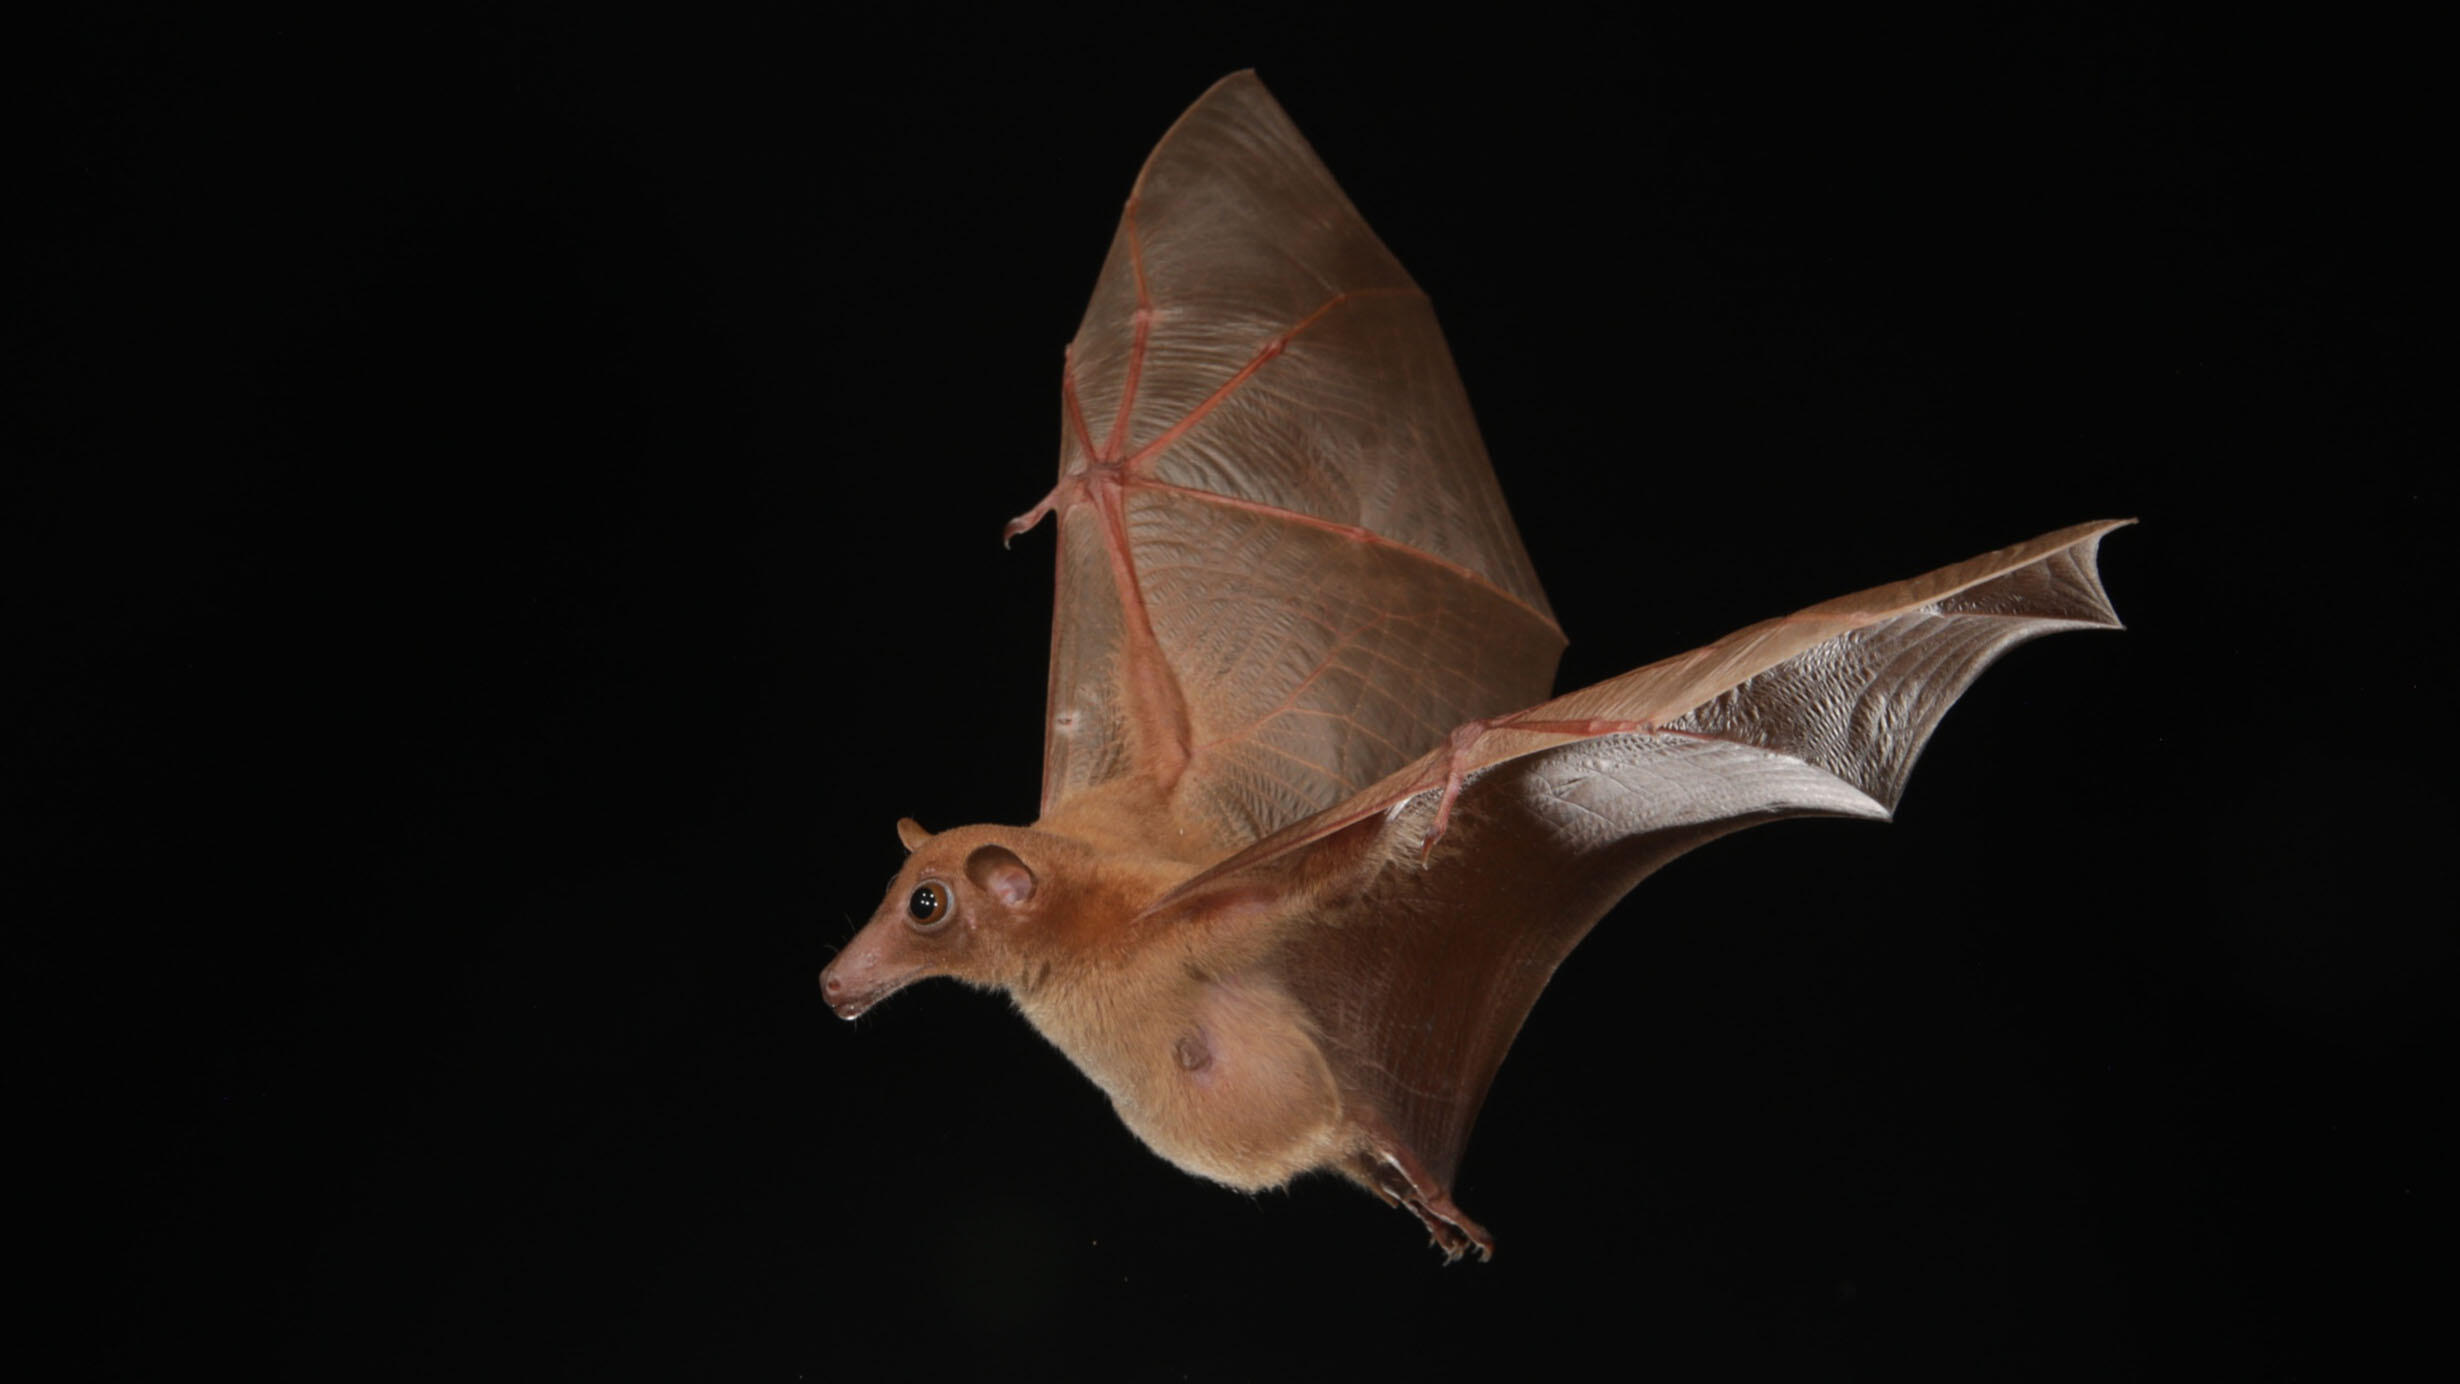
1396	1176
1450	1231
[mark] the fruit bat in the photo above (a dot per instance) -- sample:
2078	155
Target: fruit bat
1312	834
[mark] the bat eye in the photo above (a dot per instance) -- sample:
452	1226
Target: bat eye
929	904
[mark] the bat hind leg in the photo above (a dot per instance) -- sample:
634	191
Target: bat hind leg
1392	1172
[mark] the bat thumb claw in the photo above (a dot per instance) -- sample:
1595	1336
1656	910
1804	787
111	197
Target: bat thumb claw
1031	517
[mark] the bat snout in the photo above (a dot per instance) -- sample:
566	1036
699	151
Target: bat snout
862	976
840	1000
845	998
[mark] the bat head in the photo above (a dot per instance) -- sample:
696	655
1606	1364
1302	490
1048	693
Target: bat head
969	903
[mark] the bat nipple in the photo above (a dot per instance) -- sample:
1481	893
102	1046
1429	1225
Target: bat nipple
1193	1054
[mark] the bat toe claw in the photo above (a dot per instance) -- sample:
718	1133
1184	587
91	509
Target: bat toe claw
1449	1230
1397	1177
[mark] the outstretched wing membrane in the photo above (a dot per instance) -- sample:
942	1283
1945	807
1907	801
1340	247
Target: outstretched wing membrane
1285	567
1445	896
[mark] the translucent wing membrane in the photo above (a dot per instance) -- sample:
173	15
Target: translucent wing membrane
1285	565
1464	879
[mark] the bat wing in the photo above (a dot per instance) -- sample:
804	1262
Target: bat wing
1285	568
1444	897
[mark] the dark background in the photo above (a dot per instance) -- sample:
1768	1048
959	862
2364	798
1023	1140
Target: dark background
501	516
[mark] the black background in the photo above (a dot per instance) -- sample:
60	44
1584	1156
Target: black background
502	515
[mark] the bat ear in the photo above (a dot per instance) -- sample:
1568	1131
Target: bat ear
997	870
912	834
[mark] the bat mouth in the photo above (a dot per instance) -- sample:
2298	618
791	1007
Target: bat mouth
851	988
